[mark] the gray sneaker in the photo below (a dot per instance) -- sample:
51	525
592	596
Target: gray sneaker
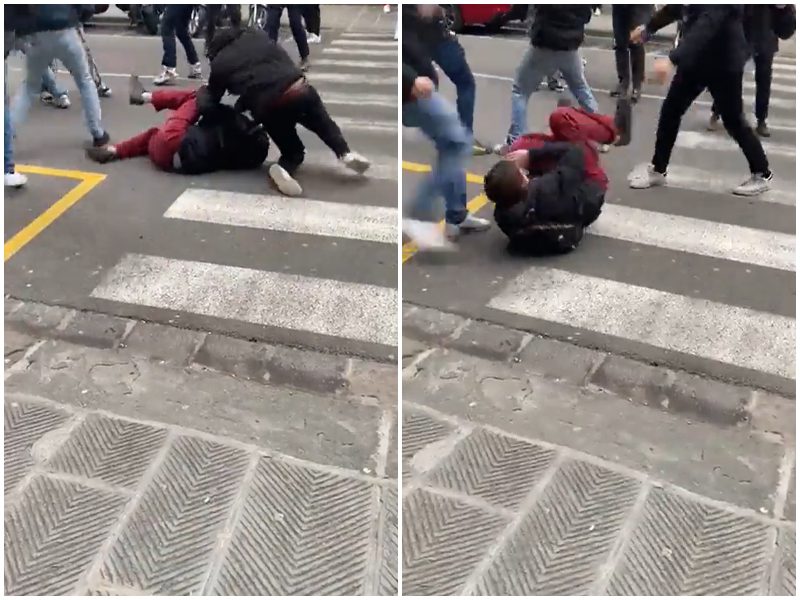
756	184
644	177
469	224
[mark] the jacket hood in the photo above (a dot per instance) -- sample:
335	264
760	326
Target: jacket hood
222	38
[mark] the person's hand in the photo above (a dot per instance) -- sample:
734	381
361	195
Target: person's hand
637	35
519	158
662	70
423	88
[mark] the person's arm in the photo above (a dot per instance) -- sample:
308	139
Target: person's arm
409	76
784	20
210	95
666	15
559	151
691	48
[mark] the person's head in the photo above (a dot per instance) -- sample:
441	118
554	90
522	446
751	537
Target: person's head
221	38
505	184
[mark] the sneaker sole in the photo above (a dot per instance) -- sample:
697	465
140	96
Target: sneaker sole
736	192
359	166
284	182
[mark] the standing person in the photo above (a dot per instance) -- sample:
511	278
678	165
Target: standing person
175	23
248	64
425	109
556	34
446	51
763	25
711	55
311	15
295	12
629	58
14	17
52	33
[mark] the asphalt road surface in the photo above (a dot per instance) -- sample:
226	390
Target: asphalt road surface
222	252
688	276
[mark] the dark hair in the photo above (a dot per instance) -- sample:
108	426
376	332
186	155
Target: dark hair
502	183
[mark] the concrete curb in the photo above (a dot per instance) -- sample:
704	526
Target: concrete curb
29	322
675	391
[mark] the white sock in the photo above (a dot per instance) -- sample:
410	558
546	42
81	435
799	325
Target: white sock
147	96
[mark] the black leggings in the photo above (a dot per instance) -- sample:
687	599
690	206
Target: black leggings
763	64
274	12
725	88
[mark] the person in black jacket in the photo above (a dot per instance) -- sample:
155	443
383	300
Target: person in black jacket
711	54
763	25
629	58
546	213
556	33
248	64
295	12
188	142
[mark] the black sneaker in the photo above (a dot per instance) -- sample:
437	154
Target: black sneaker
554	85
135	91
101	155
102	140
620	90
762	129
623	120
305	65
636	94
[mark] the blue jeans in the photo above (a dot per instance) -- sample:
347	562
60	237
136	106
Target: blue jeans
50	84
536	64
65	45
439	122
8	134
176	24
449	55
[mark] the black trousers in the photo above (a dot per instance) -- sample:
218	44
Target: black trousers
274	12
175	23
308	110
629	58
763	62
725	88
312	18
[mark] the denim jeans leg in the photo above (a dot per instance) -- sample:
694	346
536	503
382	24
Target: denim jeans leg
71	53
38	55
8	133
536	64
50	84
450	56
170	57
440	123
571	67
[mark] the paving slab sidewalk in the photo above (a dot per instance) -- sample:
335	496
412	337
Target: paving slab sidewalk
136	462
520	480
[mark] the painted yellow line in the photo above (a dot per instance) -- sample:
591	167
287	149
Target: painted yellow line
473	206
88	181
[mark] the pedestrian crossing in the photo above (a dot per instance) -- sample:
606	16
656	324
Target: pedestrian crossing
688	273
328	272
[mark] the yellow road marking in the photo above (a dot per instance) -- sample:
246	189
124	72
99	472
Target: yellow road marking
88	181
473	206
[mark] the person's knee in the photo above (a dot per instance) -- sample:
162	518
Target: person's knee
560	119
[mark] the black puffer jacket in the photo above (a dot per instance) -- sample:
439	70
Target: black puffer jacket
246	63
764	24
416	52
559	27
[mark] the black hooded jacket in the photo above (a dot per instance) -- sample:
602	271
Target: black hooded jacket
248	64
764	24
416	51
559	26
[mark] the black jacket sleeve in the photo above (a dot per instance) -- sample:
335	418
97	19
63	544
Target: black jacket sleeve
551	197
667	14
693	45
784	21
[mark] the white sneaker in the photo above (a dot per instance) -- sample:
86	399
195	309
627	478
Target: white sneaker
500	149
313	38
755	185
387	8
603	148
14	180
355	162
62	101
468	225
196	71
644	177
283	181
426	236
166	76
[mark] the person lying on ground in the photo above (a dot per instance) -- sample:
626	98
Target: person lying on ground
245	62
549	188
190	142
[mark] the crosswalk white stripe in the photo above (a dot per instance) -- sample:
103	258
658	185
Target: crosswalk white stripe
366	35
784	76
374	126
355	64
356	311
387	100
387	80
358	52
730	334
701	180
295	215
365	43
788	103
697	236
710	141
774	87
382	167
782	66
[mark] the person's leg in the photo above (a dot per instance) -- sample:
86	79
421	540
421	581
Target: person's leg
763	64
135	146
314	117
682	92
182	18
620	22
71	53
569	63
175	100
298	33
726	89
50	84
274	12
167	141
311	14
450	56
8	134
536	63
168	27
38	55
574	125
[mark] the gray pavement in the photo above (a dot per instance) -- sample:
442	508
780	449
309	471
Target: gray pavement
619	420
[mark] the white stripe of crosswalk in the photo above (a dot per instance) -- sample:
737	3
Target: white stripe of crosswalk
385	80
356	64
356	311
730	334
702	180
708	141
387	100
374	52
366	35
368	125
382	167
311	217
365	43
774	87
697	236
